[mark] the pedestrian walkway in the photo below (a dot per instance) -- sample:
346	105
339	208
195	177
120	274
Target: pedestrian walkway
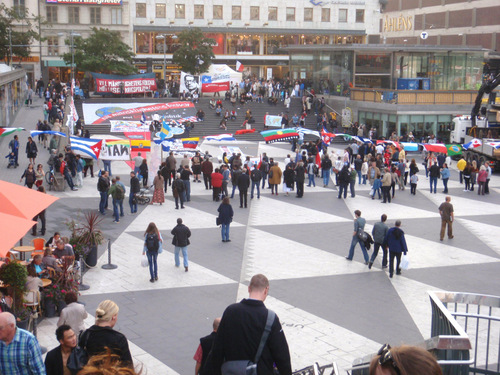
330	309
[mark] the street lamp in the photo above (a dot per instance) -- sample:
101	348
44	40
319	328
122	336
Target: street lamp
72	34
164	37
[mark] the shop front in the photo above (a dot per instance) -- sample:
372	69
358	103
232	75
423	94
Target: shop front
12	95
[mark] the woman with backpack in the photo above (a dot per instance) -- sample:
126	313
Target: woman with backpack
152	246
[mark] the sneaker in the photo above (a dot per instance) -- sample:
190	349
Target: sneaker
156	278
370	264
151	280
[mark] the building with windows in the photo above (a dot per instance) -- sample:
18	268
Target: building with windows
253	33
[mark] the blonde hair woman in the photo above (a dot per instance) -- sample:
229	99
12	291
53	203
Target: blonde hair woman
102	335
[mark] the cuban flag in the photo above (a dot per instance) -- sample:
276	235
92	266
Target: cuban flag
86	146
220	137
473	144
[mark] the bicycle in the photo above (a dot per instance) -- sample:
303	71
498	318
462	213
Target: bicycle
49	178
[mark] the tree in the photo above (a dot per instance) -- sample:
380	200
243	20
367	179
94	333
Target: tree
195	54
102	52
18	30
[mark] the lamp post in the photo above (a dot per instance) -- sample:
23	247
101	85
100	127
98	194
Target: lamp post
72	34
164	37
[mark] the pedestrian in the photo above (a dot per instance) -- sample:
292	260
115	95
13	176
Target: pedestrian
158	194
364	170
39	175
373	173
467	176
117	193
216	180
196	167
413	183
101	335
274	177
185	177
235	174
482	176
445	176
352	181
206	169
135	188
171	165
487	183
144	172
395	240
243	185
386	185
89	163
137	164
225	179
165	174
14	148
204	348
74	314
153	242
359	227
300	176
447	217
107	166
29	176
376	187
241	329
344	177
80	165
31	150
264	169
358	165
473	174
20	352
434	173
378	232
178	191
311	166
288	179
326	169
56	359
225	218
41	216
180	241
413	359
255	176
103	187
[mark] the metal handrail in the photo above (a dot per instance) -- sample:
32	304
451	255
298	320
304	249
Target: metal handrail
331	108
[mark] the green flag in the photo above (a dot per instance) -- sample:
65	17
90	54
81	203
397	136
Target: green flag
454	149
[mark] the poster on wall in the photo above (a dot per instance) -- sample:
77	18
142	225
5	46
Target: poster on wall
189	84
104	113
131	84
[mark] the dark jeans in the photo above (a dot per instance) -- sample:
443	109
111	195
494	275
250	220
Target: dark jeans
103	203
352	188
433	181
300	188
86	168
207	179
386	193
393	254
40	216
69	179
255	185
376	247
413	189
153	265
342	188
181	197
264	177
133	205
224	188
445	183
215	193
486	187
243	197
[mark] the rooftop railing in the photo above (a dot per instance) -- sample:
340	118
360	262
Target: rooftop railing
413	97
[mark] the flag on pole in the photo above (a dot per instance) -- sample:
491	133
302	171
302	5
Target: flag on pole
239	66
166	131
86	146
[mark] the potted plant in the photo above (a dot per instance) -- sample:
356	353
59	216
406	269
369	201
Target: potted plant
86	236
14	275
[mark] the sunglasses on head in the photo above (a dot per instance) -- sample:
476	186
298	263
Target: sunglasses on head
385	357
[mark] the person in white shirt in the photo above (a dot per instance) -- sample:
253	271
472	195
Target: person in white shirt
73	314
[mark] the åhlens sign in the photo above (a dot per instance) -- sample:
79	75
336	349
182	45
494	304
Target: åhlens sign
401	23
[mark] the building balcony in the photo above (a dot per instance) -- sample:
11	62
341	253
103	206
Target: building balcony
413	97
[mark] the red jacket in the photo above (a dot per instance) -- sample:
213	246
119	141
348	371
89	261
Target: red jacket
217	180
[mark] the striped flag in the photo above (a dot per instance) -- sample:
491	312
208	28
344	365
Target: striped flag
35	133
220	137
143	118
140	145
8	131
190	142
86	146
278	135
472	144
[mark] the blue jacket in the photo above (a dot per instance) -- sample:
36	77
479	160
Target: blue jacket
445	173
395	239
225	213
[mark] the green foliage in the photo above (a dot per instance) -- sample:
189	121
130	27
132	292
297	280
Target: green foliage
195	54
86	233
15	275
23	28
102	52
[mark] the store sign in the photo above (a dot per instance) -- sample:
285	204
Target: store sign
86	2
401	23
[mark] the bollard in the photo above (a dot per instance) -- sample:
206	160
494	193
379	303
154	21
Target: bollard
109	266
82	286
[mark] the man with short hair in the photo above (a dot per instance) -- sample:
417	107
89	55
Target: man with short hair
359	227
103	187
62	250
137	163
378	232
19	350
135	187
243	183
206	169
395	240
57	358
241	329
447	217
255	176
181	235
117	193
204	348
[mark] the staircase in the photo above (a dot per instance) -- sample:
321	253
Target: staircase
211	124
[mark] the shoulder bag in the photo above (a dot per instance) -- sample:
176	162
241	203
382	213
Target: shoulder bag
246	367
78	357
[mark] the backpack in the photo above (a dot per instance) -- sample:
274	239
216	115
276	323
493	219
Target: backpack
119	193
179	185
152	242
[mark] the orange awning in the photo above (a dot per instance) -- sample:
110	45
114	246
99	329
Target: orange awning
20	201
12	228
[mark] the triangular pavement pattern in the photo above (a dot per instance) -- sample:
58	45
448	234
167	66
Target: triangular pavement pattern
466	206
484	232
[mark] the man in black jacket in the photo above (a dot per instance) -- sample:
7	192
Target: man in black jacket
206	344
181	235
135	187
103	187
240	331
56	359
243	185
300	175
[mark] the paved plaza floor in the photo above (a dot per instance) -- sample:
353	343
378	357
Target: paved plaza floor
331	309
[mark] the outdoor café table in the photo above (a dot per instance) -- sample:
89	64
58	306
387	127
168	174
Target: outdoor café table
46	282
23	250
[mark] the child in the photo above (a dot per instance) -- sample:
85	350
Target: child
413	183
377	185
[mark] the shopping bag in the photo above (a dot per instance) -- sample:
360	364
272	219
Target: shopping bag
405	262
144	261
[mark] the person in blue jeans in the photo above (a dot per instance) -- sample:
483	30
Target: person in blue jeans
185	175
153	242
445	175
310	174
434	173
135	187
180	240
225	217
117	194
103	187
359	227
255	177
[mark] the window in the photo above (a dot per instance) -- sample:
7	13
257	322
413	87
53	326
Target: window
217	12
199	12
325	14
116	16
272	14
74	15
180	11
360	15
53	45
290	14
254	13
95	15
161	10
52	14
140	10
342	15
308	14
236	12
20	7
